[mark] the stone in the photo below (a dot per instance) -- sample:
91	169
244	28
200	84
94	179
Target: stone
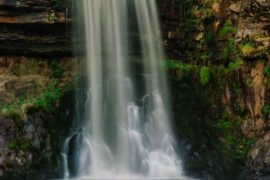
236	7
259	156
254	153
265	3
199	36
216	8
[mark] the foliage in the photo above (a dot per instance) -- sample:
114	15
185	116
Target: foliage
12	145
206	56
20	144
227	28
50	95
247	48
233	143
230	50
267	72
51	16
204	75
58	70
44	101
235	65
266	109
178	65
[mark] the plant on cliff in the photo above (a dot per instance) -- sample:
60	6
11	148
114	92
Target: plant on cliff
232	142
266	109
50	96
44	101
247	48
177	65
227	28
229	51
236	64
267	72
204	75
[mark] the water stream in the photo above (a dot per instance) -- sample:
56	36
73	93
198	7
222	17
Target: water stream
123	127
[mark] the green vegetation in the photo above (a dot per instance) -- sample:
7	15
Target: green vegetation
232	142
227	29
247	48
204	75
58	70
229	51
267	72
266	109
44	101
20	144
235	65
51	16
178	65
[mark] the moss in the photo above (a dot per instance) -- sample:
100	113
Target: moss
43	101
229	51
266	109
58	70
267	72
12	145
247	48
232	142
179	66
32	160
235	65
227	28
205	75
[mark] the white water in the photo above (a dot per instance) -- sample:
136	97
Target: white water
124	131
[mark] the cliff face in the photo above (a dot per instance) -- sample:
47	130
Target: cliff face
36	108
34	28
223	48
220	85
36	75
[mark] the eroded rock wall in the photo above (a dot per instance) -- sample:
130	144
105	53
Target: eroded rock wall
36	76
35	28
225	43
36	111
222	84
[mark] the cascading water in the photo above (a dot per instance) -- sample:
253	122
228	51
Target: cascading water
123	130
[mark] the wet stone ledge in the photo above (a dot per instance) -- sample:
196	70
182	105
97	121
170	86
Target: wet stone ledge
35	28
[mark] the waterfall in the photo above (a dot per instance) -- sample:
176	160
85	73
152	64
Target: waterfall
122	128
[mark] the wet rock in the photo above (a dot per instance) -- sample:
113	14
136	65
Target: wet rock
36	28
259	157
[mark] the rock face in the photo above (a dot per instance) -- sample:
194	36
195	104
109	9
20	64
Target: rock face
239	85
35	102
259	158
30	31
22	77
253	18
34	28
30	147
217	34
